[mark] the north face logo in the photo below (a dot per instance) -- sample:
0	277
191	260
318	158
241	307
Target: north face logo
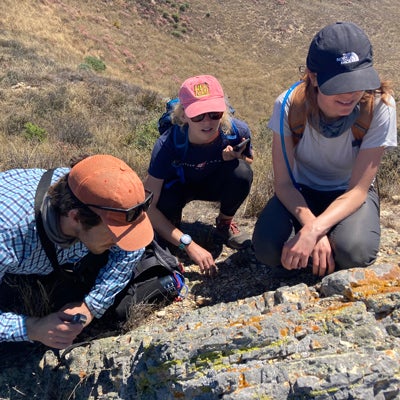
348	58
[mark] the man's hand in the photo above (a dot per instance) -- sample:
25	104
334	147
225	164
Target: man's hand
71	309
54	330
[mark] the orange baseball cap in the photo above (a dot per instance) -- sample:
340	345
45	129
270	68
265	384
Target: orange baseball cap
106	181
201	94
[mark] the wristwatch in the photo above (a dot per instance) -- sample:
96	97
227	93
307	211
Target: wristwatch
185	240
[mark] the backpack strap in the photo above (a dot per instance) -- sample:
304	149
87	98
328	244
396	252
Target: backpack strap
363	121
297	112
282	134
47	244
180	139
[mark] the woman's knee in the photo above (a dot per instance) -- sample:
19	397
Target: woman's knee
356	253
265	250
238	172
355	240
271	230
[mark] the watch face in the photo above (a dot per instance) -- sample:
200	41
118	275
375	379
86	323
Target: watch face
186	239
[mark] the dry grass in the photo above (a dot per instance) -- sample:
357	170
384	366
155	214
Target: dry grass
149	48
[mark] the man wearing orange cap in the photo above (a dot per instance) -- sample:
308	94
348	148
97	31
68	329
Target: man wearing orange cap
98	205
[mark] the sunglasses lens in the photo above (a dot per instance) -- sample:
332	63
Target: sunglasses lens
134	213
198	118
215	115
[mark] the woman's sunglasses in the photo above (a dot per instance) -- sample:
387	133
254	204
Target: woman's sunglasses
215	116
131	214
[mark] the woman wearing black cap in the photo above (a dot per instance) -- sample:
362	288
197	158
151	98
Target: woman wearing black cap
324	179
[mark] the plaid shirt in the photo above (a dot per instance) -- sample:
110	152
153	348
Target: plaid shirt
22	253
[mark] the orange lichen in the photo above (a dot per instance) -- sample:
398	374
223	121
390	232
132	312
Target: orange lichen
242	381
252	321
372	284
284	332
315	328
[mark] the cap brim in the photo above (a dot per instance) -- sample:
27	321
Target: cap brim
205	106
133	236
352	81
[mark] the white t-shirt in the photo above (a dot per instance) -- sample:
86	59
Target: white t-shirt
326	163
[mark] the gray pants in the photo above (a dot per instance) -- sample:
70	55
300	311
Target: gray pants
354	240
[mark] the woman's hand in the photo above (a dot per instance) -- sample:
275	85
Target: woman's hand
229	154
202	258
322	258
297	251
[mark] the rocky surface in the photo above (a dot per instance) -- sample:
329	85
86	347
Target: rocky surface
241	335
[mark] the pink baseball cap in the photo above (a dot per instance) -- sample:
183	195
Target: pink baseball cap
201	94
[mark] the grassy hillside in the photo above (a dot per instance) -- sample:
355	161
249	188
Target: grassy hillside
91	76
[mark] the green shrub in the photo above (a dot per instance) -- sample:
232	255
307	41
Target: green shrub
34	132
177	34
144	137
93	63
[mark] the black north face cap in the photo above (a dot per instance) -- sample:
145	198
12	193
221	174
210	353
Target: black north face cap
341	56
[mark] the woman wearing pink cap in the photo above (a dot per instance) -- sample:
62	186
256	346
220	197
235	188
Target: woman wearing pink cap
196	159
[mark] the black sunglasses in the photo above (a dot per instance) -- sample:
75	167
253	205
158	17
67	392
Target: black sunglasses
131	214
214	115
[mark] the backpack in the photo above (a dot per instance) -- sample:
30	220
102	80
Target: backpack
158	279
297	120
165	121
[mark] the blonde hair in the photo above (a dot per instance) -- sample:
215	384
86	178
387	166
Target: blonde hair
225	123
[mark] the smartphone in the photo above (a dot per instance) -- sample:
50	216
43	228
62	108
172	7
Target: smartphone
241	145
79	319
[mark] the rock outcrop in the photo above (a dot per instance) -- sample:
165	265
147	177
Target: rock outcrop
337	340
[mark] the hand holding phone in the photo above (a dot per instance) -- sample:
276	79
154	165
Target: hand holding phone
241	145
79	319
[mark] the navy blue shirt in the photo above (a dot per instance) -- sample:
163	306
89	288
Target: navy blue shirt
196	161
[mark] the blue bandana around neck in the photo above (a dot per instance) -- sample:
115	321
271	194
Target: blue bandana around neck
336	128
